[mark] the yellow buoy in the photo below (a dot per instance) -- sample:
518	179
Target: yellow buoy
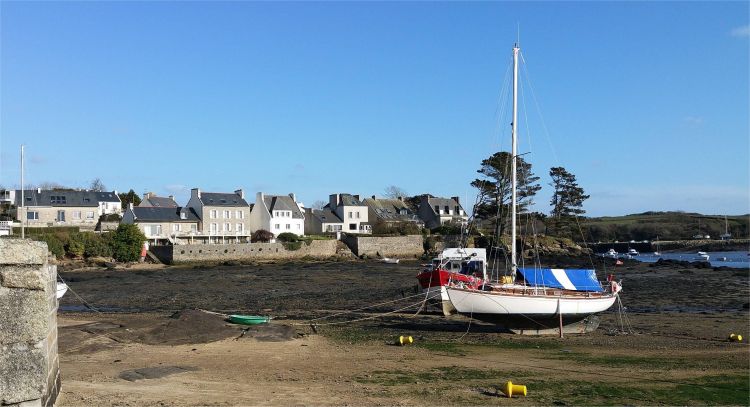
405	340
735	338
511	389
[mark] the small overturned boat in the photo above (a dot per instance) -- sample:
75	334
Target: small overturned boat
703	256
248	319
389	260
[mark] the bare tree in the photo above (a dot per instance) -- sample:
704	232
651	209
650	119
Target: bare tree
319	204
97	185
394	192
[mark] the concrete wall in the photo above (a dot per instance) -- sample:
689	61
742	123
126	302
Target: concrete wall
29	364
390	246
243	251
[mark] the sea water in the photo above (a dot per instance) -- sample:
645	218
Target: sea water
737	259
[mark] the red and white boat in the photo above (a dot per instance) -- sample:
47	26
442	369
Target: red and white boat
460	267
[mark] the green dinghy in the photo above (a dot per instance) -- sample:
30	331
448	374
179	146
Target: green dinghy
248	319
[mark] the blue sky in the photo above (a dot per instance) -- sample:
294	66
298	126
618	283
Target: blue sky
646	103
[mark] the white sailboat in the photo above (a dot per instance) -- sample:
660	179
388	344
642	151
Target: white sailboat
532	298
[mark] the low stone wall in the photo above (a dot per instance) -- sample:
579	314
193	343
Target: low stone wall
29	364
242	251
386	246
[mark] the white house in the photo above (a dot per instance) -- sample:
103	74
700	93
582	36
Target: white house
352	212
277	214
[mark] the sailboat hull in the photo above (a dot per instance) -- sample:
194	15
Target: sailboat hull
528	309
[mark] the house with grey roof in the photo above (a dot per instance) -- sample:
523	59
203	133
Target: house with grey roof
151	200
64	207
320	221
439	211
164	225
277	214
350	209
224	217
390	211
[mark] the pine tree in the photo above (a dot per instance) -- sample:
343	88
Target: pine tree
493	202
567	200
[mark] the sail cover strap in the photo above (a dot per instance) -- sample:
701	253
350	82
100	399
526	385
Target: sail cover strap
569	279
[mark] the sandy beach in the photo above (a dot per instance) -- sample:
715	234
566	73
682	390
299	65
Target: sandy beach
149	345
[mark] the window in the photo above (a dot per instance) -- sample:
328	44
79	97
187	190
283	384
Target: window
239	215
214	214
153	230
76	214
214	228
352	226
276	226
227	214
32	215
299	226
239	227
350	215
60	216
447	210
357	213
437	209
57	199
227	227
176	227
288	226
90	215
193	228
458	210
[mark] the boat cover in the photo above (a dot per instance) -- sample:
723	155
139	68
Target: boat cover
569	279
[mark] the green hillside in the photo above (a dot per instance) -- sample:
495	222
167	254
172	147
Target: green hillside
665	225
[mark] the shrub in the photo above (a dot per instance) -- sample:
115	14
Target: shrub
75	248
287	237
127	242
292	246
54	245
97	245
261	236
111	217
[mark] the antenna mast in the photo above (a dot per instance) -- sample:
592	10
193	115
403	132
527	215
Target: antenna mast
23	217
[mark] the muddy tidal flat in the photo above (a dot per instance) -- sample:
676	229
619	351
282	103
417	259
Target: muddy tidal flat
158	337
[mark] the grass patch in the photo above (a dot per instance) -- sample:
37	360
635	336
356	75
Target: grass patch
654	363
450	376
706	390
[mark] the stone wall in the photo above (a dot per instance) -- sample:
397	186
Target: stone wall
29	364
386	246
242	251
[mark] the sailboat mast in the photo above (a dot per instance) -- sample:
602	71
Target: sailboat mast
513	171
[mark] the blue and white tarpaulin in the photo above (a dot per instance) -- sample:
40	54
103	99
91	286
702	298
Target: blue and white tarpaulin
569	279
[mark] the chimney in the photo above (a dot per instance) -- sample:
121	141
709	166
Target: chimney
373	197
455	198
356	197
114	192
259	198
241	193
195	193
333	201
400	198
294	197
171	197
147	195
130	206
39	190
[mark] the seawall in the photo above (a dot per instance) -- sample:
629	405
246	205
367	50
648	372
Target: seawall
193	253
410	246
